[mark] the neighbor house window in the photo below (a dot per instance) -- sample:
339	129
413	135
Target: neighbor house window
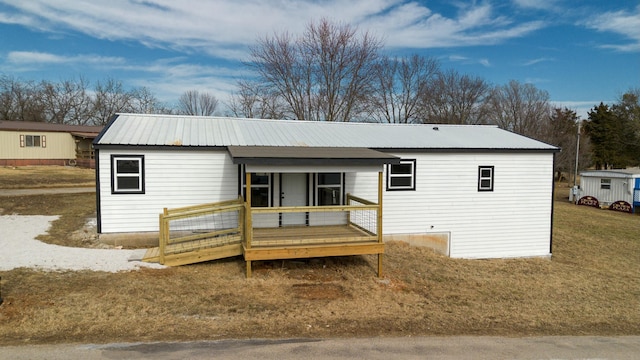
485	178
127	174
329	189
33	141
402	176
260	188
605	184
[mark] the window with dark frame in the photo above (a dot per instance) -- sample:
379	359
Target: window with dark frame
260	188
485	178
329	189
605	184
402	176
127	174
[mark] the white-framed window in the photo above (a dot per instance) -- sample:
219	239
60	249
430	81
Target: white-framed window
605	184
33	141
402	176
485	178
329	188
127	174
260	188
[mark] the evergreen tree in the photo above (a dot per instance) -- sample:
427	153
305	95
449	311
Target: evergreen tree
610	137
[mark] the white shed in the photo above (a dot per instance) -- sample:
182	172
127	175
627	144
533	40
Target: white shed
458	188
614	189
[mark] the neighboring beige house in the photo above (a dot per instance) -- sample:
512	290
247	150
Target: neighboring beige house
33	143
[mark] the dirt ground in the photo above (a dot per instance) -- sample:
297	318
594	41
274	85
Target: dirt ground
591	286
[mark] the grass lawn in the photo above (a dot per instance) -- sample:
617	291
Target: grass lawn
590	287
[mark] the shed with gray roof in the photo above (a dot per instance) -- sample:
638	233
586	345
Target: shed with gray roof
457	188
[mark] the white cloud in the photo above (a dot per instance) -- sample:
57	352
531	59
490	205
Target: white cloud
536	61
581	108
35	57
625	23
467	60
224	28
485	62
537	4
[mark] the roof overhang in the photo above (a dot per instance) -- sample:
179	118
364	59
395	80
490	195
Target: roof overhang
309	159
84	135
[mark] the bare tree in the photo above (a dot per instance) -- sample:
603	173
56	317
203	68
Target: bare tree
20	101
144	101
325	74
521	108
561	129
193	102
110	98
255	101
66	102
455	99
401	84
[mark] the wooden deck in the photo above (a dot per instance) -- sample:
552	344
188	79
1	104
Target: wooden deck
291	242
311	241
225	229
309	235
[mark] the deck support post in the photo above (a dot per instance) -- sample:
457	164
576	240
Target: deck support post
379	221
248	227
164	236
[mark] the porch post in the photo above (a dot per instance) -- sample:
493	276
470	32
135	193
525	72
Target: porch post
248	226
379	221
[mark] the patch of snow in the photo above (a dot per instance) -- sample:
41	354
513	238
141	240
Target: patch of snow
19	248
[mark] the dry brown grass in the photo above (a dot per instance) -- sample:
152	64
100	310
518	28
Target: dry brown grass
26	177
591	287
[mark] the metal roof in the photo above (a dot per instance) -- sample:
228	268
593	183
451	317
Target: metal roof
615	173
41	126
294	155
196	131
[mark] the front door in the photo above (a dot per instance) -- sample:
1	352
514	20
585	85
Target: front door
293	192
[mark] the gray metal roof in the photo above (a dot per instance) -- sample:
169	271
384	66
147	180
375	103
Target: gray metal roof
294	155
615	173
196	131
41	126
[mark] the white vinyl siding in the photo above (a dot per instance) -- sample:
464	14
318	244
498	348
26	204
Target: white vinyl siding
514	220
619	188
172	179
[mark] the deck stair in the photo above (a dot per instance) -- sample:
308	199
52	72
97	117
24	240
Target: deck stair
199	233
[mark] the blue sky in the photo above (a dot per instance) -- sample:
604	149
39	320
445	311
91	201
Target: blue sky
581	52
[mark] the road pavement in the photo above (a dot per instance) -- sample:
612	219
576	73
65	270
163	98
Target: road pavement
438	348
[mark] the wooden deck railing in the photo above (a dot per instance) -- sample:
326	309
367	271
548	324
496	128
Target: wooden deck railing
363	216
85	154
199	227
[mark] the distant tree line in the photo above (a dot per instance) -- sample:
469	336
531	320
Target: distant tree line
333	72
74	102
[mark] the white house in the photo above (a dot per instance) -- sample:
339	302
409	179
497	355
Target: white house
471	191
614	189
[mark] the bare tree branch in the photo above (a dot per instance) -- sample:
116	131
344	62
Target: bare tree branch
193	102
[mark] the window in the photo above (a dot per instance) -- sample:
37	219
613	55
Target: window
605	184
485	178
329	189
402	176
127	174
260	188
33	141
